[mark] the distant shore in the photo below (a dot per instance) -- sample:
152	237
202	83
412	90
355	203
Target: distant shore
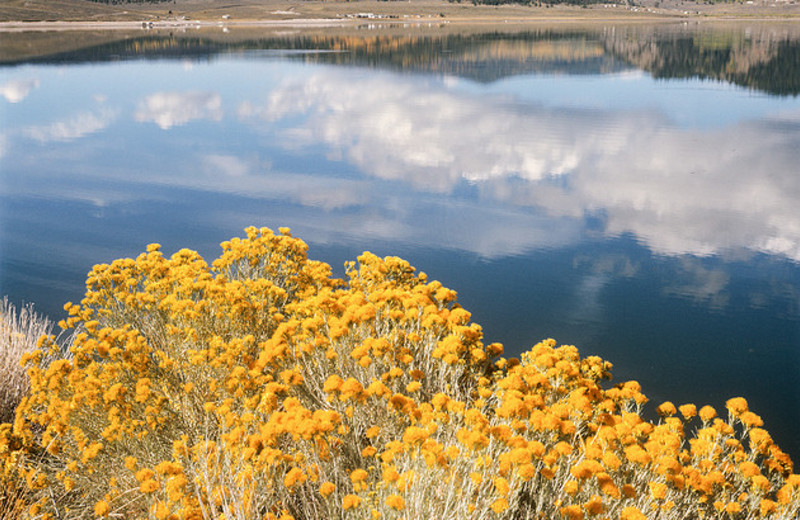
49	15
129	25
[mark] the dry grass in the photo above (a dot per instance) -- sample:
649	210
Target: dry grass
19	332
272	10
12	502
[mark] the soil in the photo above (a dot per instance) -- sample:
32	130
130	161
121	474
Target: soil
30	14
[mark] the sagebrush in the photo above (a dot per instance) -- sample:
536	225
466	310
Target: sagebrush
261	387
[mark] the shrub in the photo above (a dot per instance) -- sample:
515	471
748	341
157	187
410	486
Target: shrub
19	333
260	387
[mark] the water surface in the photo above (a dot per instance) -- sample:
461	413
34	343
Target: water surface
631	190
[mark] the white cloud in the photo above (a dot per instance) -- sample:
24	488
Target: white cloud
677	190
74	127
700	283
245	110
532	173
16	90
253	177
431	138
168	109
226	164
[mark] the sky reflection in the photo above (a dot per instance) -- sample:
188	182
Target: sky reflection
322	137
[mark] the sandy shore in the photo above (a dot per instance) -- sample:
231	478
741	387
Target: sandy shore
130	25
48	15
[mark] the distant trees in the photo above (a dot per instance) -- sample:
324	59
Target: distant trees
537	3
117	2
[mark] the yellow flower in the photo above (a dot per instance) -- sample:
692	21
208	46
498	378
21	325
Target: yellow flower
101	508
413	386
628	491
751	420
350	502
499	505
351	388
168	468
666	409
526	471
767	507
501	485
635	453
294	476
607	485
688	410
332	384
594	506
148	486
749	469
414	434
390	474
631	513
761	483
707	413
658	490
358	475
144	474
161	510
760	439
736	406
326	488
586	468
572	512
175	487
611	460
130	463
369	451
571	487
396	502
562	448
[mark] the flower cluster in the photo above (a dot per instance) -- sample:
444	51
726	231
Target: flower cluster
260	387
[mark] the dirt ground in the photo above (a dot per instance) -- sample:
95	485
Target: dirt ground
316	11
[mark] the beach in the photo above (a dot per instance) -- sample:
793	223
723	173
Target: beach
16	15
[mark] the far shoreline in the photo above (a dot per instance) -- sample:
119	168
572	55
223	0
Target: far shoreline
34	26
69	15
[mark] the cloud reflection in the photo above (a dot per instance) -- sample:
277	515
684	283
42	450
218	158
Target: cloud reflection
677	190
168	109
227	165
74	127
18	89
445	167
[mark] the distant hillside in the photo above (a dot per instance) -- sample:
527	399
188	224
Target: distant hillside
481	57
767	60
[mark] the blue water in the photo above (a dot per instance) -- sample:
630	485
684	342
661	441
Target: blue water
653	222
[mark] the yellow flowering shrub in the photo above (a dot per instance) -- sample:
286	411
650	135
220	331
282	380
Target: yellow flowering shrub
259	387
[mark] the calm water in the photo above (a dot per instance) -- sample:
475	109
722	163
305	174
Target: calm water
630	190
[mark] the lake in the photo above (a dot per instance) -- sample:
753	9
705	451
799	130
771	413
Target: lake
630	189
